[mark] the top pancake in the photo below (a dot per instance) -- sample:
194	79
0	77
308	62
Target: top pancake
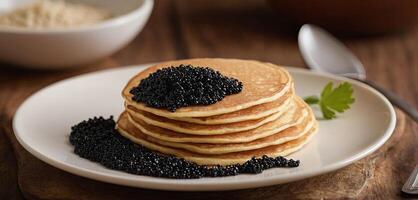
262	83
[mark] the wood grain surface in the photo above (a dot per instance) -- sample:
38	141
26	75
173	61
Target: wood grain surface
230	29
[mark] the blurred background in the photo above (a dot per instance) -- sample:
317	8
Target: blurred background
234	28
267	30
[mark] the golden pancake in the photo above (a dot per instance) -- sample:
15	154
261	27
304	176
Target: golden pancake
288	119
127	130
200	129
262	83
251	113
286	135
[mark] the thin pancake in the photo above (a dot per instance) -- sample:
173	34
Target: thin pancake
262	83
286	135
199	129
288	119
126	129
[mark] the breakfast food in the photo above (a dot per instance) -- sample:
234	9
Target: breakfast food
201	118
216	111
53	14
262	83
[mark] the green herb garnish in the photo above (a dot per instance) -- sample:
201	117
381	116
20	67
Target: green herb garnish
333	100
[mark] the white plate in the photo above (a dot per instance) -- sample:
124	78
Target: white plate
43	122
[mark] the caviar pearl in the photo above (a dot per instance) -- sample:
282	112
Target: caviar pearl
174	87
97	140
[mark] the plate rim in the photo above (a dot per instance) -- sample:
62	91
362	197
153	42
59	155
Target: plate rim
184	185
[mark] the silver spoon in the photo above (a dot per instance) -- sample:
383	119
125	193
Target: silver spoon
323	52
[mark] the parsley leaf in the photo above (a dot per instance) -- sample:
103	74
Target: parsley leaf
333	100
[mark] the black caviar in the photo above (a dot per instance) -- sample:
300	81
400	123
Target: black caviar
97	140
184	85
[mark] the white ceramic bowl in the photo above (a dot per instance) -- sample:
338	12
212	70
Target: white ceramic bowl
67	47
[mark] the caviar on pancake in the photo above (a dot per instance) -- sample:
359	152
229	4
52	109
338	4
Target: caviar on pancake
185	85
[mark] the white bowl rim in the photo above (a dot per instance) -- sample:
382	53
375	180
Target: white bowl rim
146	7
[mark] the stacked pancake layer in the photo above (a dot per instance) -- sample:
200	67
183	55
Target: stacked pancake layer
265	118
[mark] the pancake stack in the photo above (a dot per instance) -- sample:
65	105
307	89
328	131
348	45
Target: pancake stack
265	118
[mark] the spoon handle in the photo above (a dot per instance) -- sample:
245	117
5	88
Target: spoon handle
411	185
395	100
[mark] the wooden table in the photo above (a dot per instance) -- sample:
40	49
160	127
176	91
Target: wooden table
185	29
